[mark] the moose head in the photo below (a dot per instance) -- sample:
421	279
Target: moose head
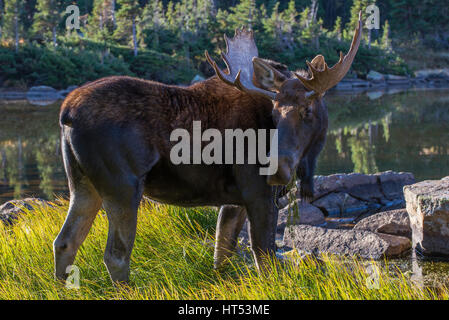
294	98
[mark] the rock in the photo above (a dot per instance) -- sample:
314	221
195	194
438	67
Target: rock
42	90
42	101
397	244
42	95
364	244
392	183
373	95
306	214
285	200
12	95
427	204
394	222
343	86
299	257
375	76
339	203
71	88
9	211
432	73
360	191
395	77
397	80
362	186
355	82
63	93
360	84
196	79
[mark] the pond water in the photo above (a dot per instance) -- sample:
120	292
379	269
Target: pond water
406	131
369	132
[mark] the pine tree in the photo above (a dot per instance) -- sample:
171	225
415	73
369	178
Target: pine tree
101	20
289	17
245	14
127	16
282	25
357	6
386	41
47	19
310	26
1	18
337	32
12	24
151	24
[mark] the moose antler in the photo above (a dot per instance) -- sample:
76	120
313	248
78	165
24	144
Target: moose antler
323	78
240	51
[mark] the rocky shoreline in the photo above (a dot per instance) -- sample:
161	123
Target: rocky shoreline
374	82
39	95
383	215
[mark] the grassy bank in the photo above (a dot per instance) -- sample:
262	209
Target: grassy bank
172	259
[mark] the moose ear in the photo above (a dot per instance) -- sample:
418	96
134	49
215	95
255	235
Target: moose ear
266	76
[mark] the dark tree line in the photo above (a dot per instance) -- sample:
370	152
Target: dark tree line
136	34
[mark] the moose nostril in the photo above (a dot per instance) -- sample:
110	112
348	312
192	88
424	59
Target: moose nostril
285	162
282	176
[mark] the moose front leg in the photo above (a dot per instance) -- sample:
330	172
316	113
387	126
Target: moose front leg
262	216
306	168
262	213
229	224
305	175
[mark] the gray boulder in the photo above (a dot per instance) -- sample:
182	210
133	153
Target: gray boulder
427	204
339	203
432	74
300	213
343	86
9	211
364	244
355	192
12	95
42	95
392	183
373	95
63	93
394	222
395	80
375	76
42	91
306	214
196	79
361	186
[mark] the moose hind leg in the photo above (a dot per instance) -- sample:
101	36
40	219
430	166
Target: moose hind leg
122	216
84	205
229	224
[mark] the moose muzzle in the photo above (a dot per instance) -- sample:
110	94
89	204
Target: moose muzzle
284	172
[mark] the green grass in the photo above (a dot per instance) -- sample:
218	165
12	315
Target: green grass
172	259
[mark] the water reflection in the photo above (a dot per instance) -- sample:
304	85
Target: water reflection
407	131
30	163
402	132
417	274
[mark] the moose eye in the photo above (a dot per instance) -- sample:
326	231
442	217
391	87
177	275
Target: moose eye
306	113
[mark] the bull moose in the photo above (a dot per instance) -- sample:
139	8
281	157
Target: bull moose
115	145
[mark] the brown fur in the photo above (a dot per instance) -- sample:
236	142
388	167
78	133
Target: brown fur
157	109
